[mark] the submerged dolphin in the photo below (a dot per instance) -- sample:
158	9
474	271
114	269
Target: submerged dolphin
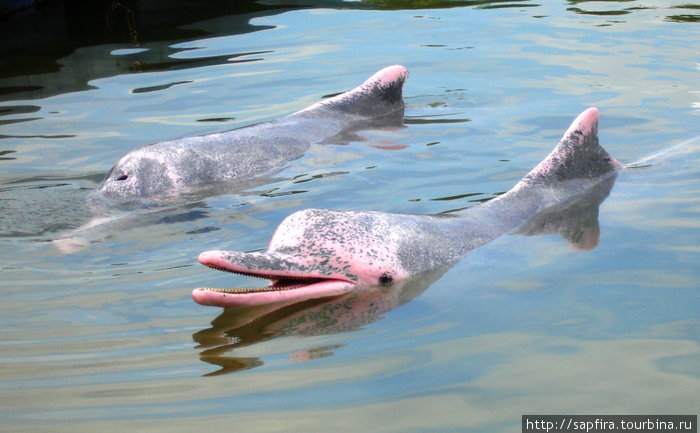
319	253
172	169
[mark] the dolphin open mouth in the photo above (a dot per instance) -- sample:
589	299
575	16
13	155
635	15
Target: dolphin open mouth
288	281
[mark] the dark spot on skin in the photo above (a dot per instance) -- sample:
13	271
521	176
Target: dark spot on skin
385	279
122	177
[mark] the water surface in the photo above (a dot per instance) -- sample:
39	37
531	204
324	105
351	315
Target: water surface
107	338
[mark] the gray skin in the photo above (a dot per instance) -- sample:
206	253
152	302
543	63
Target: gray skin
209	164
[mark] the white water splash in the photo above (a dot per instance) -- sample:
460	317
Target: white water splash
684	148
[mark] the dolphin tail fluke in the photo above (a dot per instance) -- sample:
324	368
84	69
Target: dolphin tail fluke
380	95
577	156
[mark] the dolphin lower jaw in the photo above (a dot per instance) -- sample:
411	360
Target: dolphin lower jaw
278	291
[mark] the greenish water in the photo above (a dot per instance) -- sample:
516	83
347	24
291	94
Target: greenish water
107	338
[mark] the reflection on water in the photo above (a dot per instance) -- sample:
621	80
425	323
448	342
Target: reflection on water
242	327
576	220
48	50
53	70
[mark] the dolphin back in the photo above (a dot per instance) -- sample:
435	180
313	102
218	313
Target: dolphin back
560	195
563	192
380	95
577	156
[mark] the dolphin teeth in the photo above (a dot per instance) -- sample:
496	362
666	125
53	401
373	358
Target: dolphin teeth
253	290
240	290
264	276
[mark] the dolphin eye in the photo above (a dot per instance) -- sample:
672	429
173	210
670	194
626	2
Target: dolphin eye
385	279
122	177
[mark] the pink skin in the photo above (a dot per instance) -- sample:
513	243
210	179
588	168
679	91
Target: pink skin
584	122
313	254
384	77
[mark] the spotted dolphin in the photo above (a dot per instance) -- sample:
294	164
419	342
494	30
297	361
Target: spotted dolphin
190	165
320	253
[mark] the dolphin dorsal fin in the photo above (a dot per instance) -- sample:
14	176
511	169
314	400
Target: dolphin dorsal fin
577	156
379	95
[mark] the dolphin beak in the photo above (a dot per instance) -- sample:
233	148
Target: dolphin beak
289	280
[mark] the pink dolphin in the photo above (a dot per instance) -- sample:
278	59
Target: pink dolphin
317	253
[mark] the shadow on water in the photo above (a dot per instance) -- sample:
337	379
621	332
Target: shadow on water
575	220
